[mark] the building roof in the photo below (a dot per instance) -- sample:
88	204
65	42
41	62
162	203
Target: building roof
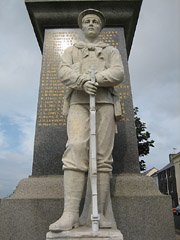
151	171
171	164
176	156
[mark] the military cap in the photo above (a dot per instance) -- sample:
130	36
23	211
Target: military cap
91	11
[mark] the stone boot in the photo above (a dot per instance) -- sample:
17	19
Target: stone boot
73	188
103	189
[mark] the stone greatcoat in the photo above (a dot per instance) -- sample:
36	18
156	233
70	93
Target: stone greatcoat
75	66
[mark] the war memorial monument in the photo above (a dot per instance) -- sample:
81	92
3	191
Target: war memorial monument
85	48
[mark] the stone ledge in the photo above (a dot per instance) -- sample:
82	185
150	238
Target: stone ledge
45	187
85	233
133	185
51	187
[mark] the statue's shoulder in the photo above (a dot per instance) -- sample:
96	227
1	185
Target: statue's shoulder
79	45
111	49
68	49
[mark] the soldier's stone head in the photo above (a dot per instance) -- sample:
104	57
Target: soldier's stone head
91	22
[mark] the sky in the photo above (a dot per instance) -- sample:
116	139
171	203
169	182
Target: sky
154	66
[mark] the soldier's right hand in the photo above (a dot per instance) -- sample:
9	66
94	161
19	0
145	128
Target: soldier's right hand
90	87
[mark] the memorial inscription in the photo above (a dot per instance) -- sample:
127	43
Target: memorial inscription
52	91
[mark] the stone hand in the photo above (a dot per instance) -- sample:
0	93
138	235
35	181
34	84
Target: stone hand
90	87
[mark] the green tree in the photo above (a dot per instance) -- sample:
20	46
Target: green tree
143	139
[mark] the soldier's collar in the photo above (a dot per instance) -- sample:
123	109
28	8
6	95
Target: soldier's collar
86	47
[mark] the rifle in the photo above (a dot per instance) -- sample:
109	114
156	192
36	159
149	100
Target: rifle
93	159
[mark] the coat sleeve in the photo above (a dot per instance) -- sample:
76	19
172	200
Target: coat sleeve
68	72
114	74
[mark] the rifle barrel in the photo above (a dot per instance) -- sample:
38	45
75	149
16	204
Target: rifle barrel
93	159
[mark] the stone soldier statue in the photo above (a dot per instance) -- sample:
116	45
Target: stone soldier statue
75	73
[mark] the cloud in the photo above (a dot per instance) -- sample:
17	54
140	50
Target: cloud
154	68
14	167
156	43
20	64
27	128
2	139
15	159
20	61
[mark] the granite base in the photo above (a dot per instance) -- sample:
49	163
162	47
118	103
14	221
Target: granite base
84	233
141	211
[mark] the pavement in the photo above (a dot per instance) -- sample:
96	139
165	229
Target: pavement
177	226
177	234
177	237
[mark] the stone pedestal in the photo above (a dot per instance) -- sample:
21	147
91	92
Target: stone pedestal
36	203
141	211
84	233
